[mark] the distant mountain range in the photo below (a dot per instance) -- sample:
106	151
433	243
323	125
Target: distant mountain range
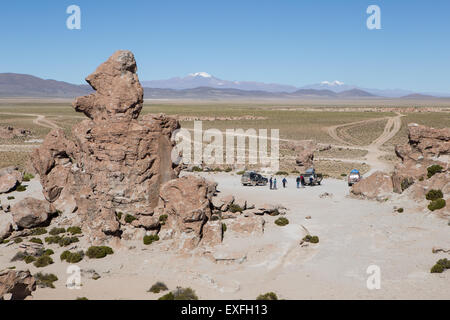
200	85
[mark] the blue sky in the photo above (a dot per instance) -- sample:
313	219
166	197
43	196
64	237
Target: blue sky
294	42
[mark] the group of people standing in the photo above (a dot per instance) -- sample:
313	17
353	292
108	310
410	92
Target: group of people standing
273	182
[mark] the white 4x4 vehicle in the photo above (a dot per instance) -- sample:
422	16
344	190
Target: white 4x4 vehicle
353	177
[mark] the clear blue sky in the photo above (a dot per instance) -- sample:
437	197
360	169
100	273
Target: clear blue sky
295	42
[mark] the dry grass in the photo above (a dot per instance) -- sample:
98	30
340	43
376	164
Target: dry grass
362	134
342	153
18	159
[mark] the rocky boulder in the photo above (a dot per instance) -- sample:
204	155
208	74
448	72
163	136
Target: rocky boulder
20	284
30	213
186	203
10	178
6	225
377	186
114	161
426	147
304	151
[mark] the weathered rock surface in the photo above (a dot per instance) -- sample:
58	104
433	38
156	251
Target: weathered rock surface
20	284
426	146
376	186
245	227
304	151
186	202
30	212
10	177
6	224
114	162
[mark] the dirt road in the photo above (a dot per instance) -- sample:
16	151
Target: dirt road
373	157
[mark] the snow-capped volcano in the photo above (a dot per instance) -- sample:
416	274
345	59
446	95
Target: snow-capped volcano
335	86
204	79
334	83
200	74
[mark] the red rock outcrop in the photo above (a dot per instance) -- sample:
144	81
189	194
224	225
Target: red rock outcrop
113	162
20	284
426	147
377	186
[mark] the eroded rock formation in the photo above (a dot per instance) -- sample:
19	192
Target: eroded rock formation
10	177
414	176
426	147
113	162
20	284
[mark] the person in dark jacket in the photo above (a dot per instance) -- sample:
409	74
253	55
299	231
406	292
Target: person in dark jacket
270	183
302	180
298	180
284	181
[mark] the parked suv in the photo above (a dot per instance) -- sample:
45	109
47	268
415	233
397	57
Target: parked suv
251	178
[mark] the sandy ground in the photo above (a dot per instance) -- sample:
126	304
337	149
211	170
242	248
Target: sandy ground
354	234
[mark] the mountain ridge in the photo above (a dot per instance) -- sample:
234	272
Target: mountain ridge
23	85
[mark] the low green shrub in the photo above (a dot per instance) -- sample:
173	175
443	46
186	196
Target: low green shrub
281	173
434	194
197	169
119	215
235	208
180	294
36	240
27	177
267	296
82	299
45	280
49	252
98	252
56	231
67	241
437	268
38	231
311	239
21	188
43	261
240	173
150	239
282	222
432	170
129	218
10	198
444	262
18	240
436	204
400	210
52	239
228	169
29	259
158	287
163	218
74	230
224	228
72	257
